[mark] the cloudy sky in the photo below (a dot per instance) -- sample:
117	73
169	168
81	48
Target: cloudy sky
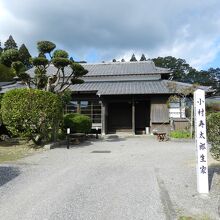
97	30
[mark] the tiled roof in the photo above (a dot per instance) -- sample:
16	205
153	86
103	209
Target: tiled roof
129	88
112	69
120	87
6	83
124	68
11	86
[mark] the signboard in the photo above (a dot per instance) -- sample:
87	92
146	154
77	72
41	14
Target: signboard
201	141
68	130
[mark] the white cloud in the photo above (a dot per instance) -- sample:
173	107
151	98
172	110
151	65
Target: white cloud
10	24
117	28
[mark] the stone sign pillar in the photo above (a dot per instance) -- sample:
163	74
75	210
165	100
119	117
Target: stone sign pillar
201	141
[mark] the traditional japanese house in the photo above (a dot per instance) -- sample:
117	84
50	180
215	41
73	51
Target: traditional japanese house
126	97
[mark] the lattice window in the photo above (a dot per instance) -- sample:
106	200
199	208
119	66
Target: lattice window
89	108
177	109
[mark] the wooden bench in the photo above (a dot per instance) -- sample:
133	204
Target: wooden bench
76	138
161	136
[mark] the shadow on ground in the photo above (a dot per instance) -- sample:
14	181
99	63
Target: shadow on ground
114	138
7	174
85	143
213	169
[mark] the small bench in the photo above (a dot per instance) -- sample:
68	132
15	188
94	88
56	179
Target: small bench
161	136
76	138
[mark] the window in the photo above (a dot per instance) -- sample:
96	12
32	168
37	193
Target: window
89	108
96	112
177	109
72	107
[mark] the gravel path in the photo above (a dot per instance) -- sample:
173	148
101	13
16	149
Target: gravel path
134	178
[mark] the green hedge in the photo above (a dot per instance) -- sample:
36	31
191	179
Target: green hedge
212	107
77	123
213	132
31	113
180	134
1	97
6	73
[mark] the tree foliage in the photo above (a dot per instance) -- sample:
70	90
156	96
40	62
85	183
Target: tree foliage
1	48
133	58
24	56
31	113
143	58
60	53
10	44
211	77
213	132
183	72
45	47
19	70
59	80
179	67
9	56
60	62
6	73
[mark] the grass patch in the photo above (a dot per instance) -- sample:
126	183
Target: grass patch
203	217
185	218
180	134
12	152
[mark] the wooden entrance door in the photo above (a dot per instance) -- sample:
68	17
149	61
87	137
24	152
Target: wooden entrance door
119	117
142	116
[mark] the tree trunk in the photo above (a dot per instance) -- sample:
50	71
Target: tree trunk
54	131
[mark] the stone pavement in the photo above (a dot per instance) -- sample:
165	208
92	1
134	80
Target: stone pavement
117	178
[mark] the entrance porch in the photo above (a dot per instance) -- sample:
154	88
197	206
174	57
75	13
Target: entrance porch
125	114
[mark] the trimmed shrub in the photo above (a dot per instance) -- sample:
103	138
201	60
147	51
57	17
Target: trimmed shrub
31	113
6	73
212	107
180	134
1	97
9	56
213	132
77	123
60	53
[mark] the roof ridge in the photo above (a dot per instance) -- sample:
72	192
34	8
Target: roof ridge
118	63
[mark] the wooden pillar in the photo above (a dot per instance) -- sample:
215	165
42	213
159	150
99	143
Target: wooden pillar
92	116
133	116
106	117
103	118
78	107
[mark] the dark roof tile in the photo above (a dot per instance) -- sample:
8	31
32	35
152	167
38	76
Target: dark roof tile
129	88
112	69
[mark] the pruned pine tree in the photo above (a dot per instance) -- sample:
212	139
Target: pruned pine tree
57	82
